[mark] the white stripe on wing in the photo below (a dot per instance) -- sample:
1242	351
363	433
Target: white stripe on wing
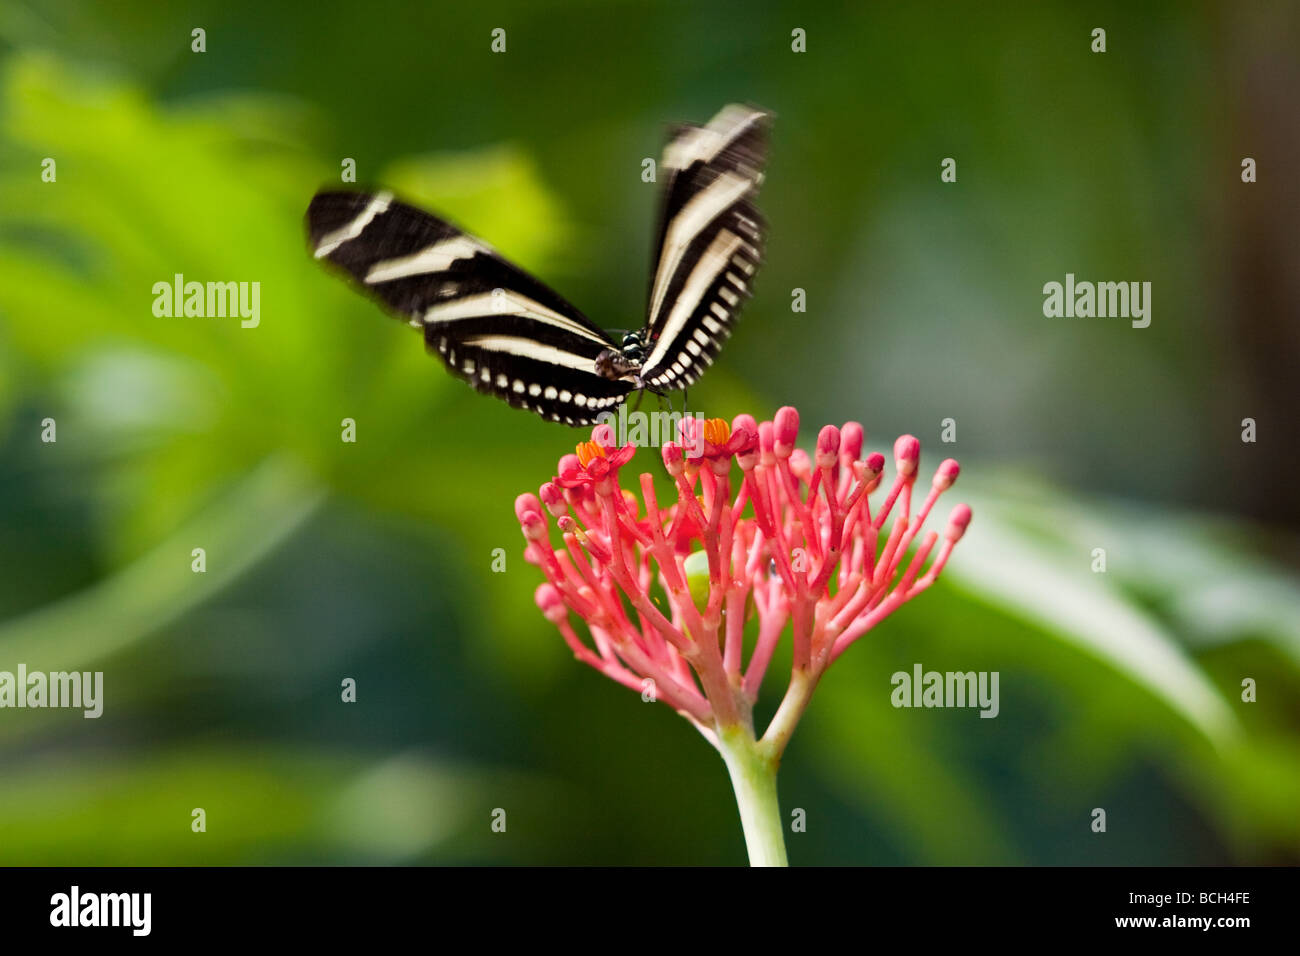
703	144
377	206
704	207
435	258
524	347
710	265
506	302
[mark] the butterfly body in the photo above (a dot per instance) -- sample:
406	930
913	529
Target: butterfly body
507	334
624	362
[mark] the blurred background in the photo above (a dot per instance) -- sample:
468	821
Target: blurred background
373	560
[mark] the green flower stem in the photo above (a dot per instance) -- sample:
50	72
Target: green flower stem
786	718
753	777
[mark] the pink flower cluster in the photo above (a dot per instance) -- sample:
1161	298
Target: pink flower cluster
695	595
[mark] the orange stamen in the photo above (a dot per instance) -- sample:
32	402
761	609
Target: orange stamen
588	450
716	431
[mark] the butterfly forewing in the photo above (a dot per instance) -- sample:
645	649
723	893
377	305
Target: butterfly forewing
492	324
710	243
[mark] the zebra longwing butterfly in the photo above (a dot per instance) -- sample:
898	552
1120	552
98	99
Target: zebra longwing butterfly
505	333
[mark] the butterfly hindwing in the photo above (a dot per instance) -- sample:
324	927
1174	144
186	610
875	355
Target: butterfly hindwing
493	324
710	243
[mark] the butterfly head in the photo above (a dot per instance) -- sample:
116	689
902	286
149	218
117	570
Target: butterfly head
634	347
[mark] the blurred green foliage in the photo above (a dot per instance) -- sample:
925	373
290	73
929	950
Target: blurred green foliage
372	560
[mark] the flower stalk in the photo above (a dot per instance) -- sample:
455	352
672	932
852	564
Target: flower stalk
753	778
687	603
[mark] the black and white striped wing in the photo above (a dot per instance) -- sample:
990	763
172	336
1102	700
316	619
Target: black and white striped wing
493	324
710	243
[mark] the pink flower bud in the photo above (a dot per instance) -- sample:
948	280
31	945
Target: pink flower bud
946	474
765	443
957	523
743	441
800	465
852	435
744	435
869	472
785	431
828	446
533	526
674	459
551	604
603	435
569	468
529	513
907	454
744	422
525	505
553	498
